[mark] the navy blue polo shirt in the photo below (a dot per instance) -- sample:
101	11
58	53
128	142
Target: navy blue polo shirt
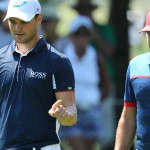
137	94
27	91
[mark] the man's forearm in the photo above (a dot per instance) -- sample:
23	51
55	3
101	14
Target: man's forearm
71	117
125	134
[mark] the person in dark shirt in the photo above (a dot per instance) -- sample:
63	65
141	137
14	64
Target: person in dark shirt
36	84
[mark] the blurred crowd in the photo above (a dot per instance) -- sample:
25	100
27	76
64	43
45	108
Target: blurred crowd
90	46
5	36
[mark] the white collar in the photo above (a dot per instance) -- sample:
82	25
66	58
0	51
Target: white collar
22	54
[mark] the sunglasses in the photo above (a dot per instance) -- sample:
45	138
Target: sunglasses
81	33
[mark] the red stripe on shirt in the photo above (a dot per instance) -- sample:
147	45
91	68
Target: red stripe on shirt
134	77
65	91
130	104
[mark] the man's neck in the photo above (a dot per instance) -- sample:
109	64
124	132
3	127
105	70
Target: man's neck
26	47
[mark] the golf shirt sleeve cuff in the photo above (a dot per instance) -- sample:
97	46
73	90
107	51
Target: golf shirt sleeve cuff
130	104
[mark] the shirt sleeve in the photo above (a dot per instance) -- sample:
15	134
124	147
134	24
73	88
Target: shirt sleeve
129	97
63	77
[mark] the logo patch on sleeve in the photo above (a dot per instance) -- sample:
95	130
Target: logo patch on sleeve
70	88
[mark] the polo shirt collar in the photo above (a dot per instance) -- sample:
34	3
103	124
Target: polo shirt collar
38	47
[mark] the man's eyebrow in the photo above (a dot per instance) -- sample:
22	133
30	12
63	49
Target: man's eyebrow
25	21
11	19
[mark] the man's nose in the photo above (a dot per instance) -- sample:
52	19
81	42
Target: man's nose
18	27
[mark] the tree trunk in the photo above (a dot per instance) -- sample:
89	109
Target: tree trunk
118	19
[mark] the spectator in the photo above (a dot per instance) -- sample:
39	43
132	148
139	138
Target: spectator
91	87
103	36
5	35
49	27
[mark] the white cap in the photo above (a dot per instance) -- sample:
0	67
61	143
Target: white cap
23	9
80	21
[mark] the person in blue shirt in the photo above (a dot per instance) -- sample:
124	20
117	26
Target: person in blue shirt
134	121
36	84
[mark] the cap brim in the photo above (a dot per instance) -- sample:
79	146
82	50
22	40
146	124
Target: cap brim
20	15
145	29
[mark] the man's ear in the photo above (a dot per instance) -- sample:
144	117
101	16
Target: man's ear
39	18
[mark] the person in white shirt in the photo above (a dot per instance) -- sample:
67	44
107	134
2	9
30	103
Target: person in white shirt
91	84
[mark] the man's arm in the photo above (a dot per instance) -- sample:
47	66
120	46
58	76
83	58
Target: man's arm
64	109
126	129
